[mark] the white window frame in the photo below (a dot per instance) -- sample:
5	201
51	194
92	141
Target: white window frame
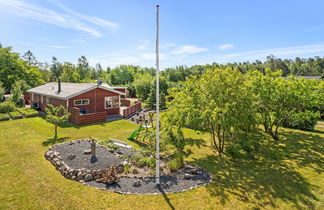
82	102
48	100
112	99
115	102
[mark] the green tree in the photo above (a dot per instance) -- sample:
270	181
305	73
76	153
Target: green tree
84	69
278	98
219	103
56	69
13	68
2	92
143	85
56	115
17	92
30	58
151	99
70	73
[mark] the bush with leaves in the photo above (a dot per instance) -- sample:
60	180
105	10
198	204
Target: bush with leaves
7	106
302	120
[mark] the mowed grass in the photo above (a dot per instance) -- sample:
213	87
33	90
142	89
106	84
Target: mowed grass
284	175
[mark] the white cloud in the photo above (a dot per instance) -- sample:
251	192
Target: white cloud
285	52
131	57
225	46
166	46
94	20
189	49
69	20
59	47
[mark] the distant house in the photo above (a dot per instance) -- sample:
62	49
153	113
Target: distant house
86	102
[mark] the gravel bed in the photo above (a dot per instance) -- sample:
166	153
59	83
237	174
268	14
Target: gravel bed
105	158
172	183
179	181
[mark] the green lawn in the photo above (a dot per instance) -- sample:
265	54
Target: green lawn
287	175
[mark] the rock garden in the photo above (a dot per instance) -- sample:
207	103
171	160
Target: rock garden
115	166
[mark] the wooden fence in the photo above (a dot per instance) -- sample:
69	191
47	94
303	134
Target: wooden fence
132	109
83	119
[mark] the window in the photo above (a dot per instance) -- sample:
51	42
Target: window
111	101
48	100
81	102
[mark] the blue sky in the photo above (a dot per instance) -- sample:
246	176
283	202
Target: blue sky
115	32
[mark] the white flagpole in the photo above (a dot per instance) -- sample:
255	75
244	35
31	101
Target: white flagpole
157	153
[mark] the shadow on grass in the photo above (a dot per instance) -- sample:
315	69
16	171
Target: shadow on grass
272	175
52	141
165	197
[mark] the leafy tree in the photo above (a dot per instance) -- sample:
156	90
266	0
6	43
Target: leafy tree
13	68
143	85
70	73
56	115
2	91
174	136
218	103
17	91
84	69
56	69
30	58
151	99
278	98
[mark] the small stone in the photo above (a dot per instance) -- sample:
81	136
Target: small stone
74	172
88	178
68	176
194	171
137	183
87	151
135	171
73	177
124	163
120	169
71	156
48	154
71	143
97	176
187	176
62	168
56	154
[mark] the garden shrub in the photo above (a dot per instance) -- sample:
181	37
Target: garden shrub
15	115
7	106
109	144
27	111
302	120
175	164
234	151
4	117
146	162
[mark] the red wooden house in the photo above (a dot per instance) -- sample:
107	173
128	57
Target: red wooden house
86	102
